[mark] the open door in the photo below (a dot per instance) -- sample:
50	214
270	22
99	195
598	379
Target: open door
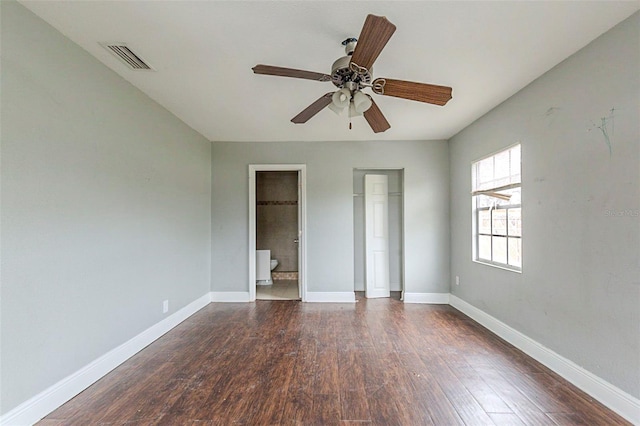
376	236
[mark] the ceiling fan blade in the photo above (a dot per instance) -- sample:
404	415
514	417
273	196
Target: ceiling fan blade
375	118
421	92
375	34
290	72
313	109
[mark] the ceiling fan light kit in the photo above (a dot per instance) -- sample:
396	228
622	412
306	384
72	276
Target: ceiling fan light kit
334	108
341	98
361	102
353	73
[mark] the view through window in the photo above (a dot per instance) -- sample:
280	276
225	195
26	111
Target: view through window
497	209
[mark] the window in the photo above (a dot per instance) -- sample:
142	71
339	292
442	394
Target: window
497	210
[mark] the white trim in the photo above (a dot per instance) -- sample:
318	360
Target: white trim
619	401
302	239
331	296
499	151
433	298
403	233
230	296
53	397
497	265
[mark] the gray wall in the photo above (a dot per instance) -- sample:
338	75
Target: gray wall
579	291
330	220
105	208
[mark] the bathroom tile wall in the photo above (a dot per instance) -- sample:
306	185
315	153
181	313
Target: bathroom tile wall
277	216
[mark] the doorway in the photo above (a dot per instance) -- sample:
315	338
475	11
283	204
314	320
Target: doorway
395	191
277	201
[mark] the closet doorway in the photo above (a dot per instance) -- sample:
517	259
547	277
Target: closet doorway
395	215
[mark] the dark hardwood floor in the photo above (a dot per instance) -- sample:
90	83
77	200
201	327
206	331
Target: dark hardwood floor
377	362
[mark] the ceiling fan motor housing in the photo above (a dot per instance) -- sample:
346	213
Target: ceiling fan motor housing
342	73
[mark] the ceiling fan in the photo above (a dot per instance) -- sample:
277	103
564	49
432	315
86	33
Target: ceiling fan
353	72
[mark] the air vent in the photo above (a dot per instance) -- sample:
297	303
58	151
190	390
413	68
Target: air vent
127	56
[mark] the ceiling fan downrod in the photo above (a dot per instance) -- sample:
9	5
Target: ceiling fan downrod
349	45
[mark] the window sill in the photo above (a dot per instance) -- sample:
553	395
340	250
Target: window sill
499	266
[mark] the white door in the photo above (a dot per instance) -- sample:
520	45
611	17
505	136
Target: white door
376	199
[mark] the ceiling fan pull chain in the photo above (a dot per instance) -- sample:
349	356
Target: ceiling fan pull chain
351	113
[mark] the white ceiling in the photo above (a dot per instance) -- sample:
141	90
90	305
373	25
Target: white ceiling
203	52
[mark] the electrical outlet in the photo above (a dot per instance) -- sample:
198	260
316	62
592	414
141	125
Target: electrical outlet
457	280
165	306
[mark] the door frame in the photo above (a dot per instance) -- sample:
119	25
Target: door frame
302	225
402	171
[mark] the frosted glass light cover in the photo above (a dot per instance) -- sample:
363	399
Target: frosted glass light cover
341	98
361	101
338	110
353	112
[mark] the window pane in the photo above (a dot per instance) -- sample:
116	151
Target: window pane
484	247
501	169
484	221
485	173
515	252
515	195
500	202
498	170
484	201
499	249
499	218
515	224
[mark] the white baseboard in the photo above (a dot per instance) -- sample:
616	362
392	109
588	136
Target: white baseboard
331	296
619	401
392	287
53	397
230	296
433	298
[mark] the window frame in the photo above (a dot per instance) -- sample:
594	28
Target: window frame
475	193
477	235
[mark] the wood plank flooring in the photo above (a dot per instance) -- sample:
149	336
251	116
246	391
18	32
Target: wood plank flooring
376	362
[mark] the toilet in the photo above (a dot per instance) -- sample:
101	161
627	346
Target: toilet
264	266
